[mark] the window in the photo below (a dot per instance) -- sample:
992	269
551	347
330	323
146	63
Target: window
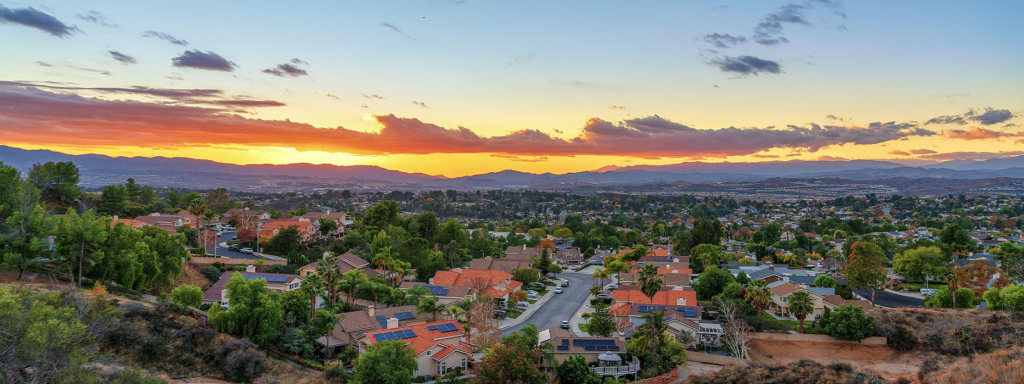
428	352
463	363
441	369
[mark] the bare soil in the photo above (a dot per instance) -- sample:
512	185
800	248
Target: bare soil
880	359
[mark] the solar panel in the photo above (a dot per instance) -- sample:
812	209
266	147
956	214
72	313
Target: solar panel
563	348
565	342
440	291
405	316
590	348
613	348
383	320
269	279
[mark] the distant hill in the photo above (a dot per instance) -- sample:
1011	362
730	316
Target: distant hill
99	170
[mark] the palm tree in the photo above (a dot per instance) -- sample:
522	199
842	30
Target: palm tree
758	295
649	281
430	305
351	281
312	287
801	305
198	209
327	320
601	273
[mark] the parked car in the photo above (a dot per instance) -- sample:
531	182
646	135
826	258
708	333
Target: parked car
565	266
604	296
565	324
246	250
537	284
523	305
532	294
928	291
611	287
565	283
558	290
499	315
234	247
234	237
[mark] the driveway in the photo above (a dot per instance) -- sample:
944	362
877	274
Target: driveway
224	252
890	300
561	306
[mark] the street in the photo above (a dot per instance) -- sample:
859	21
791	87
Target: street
561	306
224	252
890	300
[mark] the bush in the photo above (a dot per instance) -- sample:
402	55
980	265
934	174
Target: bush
336	373
212	273
132	376
902	339
600	301
240	361
848	322
187	295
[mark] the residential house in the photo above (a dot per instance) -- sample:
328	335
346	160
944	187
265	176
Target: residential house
305	228
493	284
606	352
437	346
522	252
170	223
353	326
822	298
446	294
281	282
568	256
509	266
238	213
345	262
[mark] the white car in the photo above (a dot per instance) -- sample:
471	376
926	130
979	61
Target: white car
558	290
247	251
523	305
928	291
532	294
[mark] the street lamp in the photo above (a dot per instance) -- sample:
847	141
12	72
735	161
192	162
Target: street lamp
259	232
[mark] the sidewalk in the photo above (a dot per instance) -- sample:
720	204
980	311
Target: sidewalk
507	323
577	318
916	295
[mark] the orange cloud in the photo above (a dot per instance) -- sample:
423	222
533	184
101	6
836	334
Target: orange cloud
921	151
32	115
899	153
976	133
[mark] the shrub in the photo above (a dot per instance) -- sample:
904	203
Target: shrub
848	322
245	365
336	373
187	295
213	273
132	376
902	339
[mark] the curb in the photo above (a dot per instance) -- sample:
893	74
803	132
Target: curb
530	311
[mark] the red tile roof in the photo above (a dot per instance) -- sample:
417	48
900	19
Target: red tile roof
425	338
631	294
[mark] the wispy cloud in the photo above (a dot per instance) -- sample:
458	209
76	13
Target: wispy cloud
203	60
97	18
988	116
746	65
34	18
724	40
288	69
165	37
976	133
123	58
420	104
399	30
374	96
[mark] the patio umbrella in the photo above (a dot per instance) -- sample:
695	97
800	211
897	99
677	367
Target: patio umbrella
610	357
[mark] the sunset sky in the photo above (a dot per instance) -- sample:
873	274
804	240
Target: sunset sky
454	88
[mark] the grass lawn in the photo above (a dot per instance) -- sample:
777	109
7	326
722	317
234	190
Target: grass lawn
916	287
532	301
769	322
513	314
583	327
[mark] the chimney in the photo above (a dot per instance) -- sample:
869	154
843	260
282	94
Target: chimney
115	217
371	310
771	267
430	280
676	259
392	323
681	302
250	268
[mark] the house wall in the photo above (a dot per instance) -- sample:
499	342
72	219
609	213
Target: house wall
451	361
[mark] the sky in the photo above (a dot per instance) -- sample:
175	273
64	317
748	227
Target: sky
454	88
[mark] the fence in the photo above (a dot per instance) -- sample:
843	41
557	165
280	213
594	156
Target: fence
877	340
708	358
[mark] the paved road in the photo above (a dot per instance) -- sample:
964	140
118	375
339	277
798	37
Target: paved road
561	306
890	300
224	252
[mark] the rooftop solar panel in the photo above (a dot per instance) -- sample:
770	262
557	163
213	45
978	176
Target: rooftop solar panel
269	279
383	320
563	347
405	316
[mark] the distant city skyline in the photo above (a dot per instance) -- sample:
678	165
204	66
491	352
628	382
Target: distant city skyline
454	88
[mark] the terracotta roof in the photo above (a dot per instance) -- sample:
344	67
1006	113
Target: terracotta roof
464	277
785	289
453	290
632	294
425	338
449	349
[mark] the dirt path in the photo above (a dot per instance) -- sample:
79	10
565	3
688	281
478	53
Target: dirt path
880	359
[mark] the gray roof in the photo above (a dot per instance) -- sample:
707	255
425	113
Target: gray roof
823	291
803	280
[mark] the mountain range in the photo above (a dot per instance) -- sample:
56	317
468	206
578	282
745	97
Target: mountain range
99	170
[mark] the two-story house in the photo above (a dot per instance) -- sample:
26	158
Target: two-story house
437	346
493	284
281	282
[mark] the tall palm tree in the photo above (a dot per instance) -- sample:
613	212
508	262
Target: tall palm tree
601	273
350	283
649	281
430	305
198	209
312	287
758	295
801	305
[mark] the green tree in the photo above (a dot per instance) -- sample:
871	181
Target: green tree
428	225
162	264
430	305
386	362
134	191
712	282
866	268
964	298
56	180
80	241
563	233
601	273
705	255
801	305
187	295
575	370
114	200
27	239
325	225
942	298
825	281
1011	258
351	282
992	299
382	215
252	312
507	362
526	276
742	278
848	322
649	281
601	322
921	263
758	295
287	243
707	231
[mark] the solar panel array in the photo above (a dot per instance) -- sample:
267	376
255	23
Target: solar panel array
648	308
405	316
440	291
562	348
396	335
688	311
269	279
446	327
596	345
